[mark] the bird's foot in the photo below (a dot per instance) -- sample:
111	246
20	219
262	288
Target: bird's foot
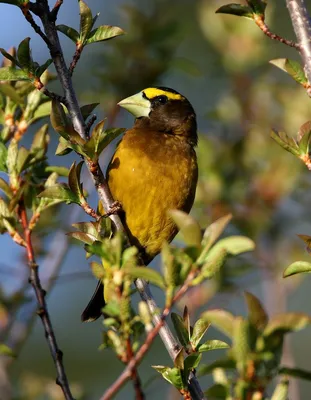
115	208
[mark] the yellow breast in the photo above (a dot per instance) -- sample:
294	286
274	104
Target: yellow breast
151	173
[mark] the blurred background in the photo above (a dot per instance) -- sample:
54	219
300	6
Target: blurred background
221	64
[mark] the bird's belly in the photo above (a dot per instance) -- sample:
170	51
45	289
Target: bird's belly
147	189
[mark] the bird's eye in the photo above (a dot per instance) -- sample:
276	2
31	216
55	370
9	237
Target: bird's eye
161	99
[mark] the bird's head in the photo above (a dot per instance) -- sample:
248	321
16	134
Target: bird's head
164	110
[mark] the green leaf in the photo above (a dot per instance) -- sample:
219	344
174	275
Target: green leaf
63	148
213	232
284	323
40	141
13	74
258	6
60	192
172	375
297	267
221	319
23	54
179	359
147	274
281	391
214	260
236	9
180	329
100	139
189	227
104	32
307	240
82	237
295	372
87	110
286	142
69	32
8	90
3	157
62	125
241	343
212	345
304	137
74	180
6	351
256	313
98	270
235	245
192	361
23	158
217	392
9	56
40	70
61	171
86	21
199	329
43	110
5	187
293	68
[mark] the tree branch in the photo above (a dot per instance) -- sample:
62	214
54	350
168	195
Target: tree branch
34	279
41	9
302	26
132	365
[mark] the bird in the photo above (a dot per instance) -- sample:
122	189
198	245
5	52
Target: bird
153	170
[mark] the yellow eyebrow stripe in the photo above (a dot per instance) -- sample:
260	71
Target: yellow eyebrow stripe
154	92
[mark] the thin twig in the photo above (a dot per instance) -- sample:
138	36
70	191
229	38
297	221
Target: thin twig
55	10
76	58
42	10
34	279
302	26
127	373
37	29
54	96
134	376
259	20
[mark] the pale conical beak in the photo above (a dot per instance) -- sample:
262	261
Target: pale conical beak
136	105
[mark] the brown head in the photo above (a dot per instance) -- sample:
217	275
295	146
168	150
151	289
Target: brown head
164	110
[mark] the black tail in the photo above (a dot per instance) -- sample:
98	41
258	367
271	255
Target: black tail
97	302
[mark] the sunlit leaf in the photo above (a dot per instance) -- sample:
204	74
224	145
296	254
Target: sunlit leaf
293	68
213	232
69	32
297	267
3	157
172	375
189	227
60	192
146	273
241	342
6	350
104	32
13	74
281	390
86	20
199	329
286	142
212	345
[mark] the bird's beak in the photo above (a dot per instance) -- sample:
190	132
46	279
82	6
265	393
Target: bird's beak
136	105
